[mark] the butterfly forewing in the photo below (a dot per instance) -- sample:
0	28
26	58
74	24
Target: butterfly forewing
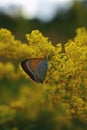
34	63
26	65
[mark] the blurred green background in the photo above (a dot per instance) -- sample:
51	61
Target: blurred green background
59	29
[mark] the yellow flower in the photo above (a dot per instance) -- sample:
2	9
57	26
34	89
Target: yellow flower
66	79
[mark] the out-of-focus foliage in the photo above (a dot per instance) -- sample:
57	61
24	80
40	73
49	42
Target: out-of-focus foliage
60	103
61	28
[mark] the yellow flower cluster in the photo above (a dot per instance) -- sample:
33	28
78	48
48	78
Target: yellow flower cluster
6	114
69	72
65	87
11	48
8	70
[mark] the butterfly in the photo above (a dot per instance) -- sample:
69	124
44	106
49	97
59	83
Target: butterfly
36	68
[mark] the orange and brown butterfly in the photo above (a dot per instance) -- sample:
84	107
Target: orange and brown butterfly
36	68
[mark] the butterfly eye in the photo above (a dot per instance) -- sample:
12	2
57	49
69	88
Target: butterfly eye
36	68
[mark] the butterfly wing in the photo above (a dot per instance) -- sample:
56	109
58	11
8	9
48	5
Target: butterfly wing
31	66
26	65
40	71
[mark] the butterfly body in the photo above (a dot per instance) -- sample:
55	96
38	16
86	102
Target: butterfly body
36	68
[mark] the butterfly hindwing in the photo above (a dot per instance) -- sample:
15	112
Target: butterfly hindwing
40	71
